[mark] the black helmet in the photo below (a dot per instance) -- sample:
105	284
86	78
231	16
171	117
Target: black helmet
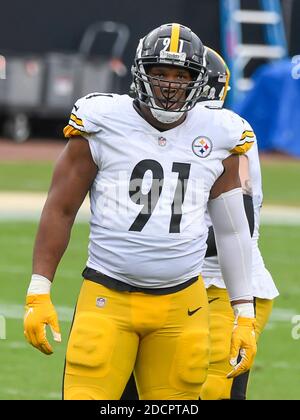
216	89
176	45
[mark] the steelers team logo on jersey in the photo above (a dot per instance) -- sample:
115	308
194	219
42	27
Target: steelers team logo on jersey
202	146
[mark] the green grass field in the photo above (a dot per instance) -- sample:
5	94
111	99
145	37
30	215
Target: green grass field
25	176
27	374
281	182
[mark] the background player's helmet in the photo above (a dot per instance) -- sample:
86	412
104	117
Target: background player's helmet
216	89
175	45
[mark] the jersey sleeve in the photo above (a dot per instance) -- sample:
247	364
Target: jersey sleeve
86	121
246	140
81	121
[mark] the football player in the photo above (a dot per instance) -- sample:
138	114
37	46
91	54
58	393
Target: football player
152	167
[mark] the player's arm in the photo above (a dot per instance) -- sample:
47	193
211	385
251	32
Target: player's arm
248	205
233	240
73	176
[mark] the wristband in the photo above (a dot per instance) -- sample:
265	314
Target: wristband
39	285
243	310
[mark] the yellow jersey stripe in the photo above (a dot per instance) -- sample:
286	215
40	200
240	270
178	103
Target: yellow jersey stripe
76	120
70	131
247	140
241	150
175	37
247	134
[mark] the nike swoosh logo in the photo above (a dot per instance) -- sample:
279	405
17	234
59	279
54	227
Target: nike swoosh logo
76	107
190	313
212	300
30	310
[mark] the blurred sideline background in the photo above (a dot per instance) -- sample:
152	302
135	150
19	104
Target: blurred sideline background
62	50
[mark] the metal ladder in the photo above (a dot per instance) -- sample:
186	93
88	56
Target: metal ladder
238	54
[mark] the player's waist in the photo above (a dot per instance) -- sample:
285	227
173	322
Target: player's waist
114	284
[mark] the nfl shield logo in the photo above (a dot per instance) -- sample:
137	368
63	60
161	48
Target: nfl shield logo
202	146
162	141
100	302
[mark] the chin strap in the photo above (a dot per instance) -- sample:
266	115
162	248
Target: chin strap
166	117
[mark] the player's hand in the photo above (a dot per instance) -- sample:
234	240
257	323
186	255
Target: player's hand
243	344
39	313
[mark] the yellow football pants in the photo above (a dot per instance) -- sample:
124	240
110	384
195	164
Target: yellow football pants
217	386
165	339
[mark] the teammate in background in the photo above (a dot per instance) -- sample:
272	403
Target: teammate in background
217	386
152	167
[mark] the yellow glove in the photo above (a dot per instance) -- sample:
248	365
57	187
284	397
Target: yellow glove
39	313
243	343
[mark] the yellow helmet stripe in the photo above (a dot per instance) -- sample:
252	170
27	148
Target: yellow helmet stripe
175	37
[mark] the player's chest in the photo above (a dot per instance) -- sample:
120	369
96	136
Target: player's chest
157	152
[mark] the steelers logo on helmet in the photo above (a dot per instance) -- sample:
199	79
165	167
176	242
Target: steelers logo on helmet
202	146
169	45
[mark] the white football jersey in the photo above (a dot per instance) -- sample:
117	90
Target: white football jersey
149	197
262	283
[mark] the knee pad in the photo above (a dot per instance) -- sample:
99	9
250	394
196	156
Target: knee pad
216	388
189	369
90	346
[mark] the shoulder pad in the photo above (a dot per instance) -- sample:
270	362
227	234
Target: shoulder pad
87	112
